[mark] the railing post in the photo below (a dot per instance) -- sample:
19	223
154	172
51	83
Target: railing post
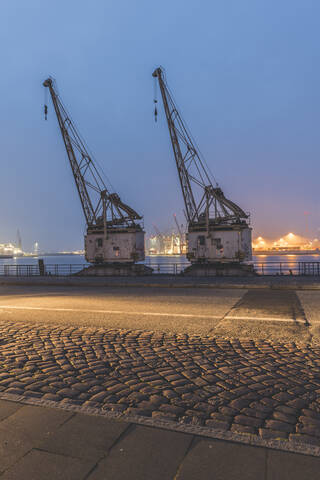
41	266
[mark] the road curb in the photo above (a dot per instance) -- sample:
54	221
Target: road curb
247	439
62	282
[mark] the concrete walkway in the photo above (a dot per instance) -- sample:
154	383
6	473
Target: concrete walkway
172	281
39	443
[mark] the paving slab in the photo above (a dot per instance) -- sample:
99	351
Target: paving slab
20	431
13	446
7	409
84	437
126	450
38	465
35	422
145	453
288	466
218	460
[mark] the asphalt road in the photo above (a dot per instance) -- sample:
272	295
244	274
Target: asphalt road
182	310
232	313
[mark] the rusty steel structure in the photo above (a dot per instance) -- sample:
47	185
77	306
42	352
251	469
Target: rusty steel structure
218	229
192	171
181	235
114	233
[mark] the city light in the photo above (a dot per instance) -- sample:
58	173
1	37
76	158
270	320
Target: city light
287	243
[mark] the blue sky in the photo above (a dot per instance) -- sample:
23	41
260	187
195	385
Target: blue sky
245	75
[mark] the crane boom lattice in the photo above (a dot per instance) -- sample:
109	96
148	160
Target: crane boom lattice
98	204
218	230
201	197
114	236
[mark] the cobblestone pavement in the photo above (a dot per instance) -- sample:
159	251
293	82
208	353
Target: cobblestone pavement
263	388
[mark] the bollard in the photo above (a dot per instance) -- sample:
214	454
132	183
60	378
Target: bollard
41	267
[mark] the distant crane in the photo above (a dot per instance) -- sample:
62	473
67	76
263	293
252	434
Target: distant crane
218	229
114	234
181	241
19	240
160	238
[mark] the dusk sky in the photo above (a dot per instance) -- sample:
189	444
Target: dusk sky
245	75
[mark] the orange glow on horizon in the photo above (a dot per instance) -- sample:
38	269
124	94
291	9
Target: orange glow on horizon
290	241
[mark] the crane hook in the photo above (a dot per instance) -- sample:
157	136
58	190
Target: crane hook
155	101
45	103
155	110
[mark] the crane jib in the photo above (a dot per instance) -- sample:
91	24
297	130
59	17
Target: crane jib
96	201
199	194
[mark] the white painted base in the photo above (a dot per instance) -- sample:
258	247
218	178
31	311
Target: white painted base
116	247
222	244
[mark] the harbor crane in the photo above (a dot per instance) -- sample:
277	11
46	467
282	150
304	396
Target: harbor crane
160	239
181	243
218	232
114	233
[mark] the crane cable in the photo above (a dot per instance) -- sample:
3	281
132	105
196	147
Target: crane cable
155	99
200	154
45	103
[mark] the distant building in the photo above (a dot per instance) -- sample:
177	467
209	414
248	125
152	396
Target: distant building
288	243
8	250
166	244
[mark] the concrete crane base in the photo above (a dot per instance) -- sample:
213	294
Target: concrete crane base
115	270
218	269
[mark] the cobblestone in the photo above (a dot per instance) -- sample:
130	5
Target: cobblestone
249	387
268	434
238	428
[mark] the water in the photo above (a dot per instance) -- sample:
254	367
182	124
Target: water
287	264
266	264
263	264
49	259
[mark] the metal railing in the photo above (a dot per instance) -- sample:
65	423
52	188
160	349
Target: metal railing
54	269
309	268
167	268
262	268
277	268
